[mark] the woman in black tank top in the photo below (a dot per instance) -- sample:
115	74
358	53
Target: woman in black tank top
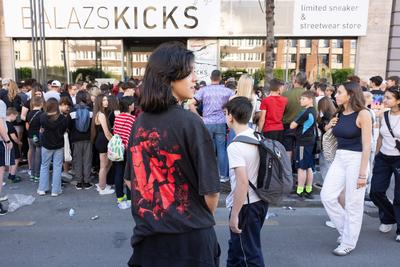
352	129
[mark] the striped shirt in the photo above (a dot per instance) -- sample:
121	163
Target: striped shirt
123	126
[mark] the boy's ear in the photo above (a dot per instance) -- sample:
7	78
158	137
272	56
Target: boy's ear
230	118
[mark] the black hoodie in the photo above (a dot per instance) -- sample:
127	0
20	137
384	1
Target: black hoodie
53	135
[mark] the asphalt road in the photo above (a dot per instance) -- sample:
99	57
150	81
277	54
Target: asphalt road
44	234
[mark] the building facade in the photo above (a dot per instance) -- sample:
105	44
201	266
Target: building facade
117	38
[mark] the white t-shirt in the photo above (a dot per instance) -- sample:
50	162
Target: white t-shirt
3	115
52	94
388	142
318	98
243	155
29	95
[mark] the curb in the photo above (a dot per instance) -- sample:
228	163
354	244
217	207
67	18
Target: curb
286	202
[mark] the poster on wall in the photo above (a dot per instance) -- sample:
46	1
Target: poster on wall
206	57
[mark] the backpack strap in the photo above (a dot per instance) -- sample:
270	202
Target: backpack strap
386	115
252	141
30	121
246	139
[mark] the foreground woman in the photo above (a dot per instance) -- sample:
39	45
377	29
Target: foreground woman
172	171
352	128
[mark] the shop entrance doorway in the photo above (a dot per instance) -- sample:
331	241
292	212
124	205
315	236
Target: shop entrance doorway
137	52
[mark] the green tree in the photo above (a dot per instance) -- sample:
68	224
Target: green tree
89	74
23	73
235	73
340	75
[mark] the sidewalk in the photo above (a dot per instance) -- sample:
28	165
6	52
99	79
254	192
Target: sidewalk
289	201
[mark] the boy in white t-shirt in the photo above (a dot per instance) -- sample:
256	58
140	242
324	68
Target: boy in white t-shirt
248	211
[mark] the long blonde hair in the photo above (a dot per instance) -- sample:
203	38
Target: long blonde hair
12	90
245	86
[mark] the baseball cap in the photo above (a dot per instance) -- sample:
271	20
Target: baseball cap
5	81
56	83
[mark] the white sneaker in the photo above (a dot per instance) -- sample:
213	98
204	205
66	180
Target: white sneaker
3	198
98	187
4	183
67	176
224	179
56	194
106	191
124	205
385	228
41	193
330	224
342	250
398	238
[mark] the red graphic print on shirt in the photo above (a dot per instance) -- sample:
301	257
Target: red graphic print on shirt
157	182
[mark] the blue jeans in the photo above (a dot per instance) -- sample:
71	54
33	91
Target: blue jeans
57	156
245	248
218	135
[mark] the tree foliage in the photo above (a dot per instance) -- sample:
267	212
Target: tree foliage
340	75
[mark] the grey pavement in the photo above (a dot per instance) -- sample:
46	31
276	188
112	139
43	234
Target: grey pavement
45	235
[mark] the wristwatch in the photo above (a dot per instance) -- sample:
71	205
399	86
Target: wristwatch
7	142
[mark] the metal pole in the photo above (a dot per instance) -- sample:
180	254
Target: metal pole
65	61
287	62
34	74
42	26
317	79
66	58
41	79
38	70
122	60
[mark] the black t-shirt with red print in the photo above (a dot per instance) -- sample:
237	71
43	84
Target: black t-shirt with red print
171	166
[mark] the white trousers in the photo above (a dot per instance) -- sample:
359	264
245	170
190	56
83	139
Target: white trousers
343	174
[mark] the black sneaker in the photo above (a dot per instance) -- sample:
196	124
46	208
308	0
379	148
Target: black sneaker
309	195
301	195
3	211
87	185
15	180
79	186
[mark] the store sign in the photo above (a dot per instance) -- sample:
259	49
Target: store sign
330	17
121	18
188	18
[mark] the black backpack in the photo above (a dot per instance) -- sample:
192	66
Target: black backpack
275	178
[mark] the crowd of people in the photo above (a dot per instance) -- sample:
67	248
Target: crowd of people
64	131
179	133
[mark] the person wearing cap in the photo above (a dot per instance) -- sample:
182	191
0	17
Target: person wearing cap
4	87
54	91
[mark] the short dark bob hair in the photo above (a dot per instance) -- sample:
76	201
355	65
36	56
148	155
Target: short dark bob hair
170	62
240	108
